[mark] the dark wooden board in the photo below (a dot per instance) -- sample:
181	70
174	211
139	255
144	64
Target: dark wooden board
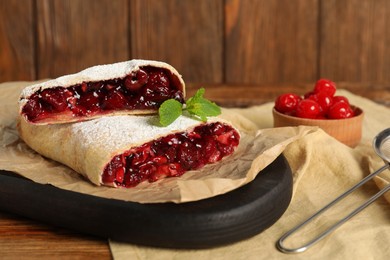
216	221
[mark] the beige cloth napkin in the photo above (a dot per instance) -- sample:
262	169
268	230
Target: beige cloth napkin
322	169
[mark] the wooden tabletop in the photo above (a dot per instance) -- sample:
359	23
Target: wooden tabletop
24	238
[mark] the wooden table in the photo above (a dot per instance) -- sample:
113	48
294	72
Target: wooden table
24	238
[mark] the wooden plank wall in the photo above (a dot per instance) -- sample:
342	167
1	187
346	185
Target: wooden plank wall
208	41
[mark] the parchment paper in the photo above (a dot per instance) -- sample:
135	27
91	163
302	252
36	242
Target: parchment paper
257	149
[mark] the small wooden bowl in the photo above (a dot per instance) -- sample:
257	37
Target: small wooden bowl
347	131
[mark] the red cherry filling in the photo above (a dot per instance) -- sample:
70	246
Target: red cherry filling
146	88
172	155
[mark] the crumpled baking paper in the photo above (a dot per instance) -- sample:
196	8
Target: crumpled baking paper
257	149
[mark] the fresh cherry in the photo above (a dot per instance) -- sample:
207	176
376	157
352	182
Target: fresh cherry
323	100
286	103
325	85
308	94
308	108
340	99
340	110
320	103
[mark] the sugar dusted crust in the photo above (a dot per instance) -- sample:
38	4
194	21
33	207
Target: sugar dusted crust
117	133
97	73
87	147
100	73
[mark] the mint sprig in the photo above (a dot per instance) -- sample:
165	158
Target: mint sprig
169	111
197	106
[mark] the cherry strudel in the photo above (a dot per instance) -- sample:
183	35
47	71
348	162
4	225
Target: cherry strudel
131	87
125	150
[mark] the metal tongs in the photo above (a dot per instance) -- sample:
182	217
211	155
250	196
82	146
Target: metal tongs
381	144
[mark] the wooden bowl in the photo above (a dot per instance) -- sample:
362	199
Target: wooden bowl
347	131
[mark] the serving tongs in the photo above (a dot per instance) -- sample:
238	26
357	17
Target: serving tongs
381	144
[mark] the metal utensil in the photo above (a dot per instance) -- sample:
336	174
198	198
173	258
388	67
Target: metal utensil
381	144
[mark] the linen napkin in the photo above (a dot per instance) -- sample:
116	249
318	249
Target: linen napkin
322	169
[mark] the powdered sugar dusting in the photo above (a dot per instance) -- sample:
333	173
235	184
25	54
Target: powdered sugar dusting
119	133
97	73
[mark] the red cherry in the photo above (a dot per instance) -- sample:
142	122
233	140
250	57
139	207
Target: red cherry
308	108
114	99
287	103
114	169
56	98
84	87
158	78
175	169
325	85
308	94
89	100
136	80
340	110
33	109
340	99
324	100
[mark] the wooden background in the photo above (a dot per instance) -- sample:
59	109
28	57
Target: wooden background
231	42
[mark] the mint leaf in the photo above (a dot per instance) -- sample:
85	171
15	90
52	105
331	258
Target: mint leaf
199	93
195	99
169	111
204	108
197	106
201	107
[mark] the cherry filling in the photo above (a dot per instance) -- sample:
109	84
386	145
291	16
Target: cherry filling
145	89
172	155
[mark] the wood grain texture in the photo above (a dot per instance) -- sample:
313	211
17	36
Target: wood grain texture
271	41
21	238
17	46
75	34
187	34
355	40
216	42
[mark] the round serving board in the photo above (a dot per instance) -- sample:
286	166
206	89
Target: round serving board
216	221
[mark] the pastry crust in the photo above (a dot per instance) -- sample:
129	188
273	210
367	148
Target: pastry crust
100	73
87	147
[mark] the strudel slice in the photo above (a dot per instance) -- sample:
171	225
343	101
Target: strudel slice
130	87
128	149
